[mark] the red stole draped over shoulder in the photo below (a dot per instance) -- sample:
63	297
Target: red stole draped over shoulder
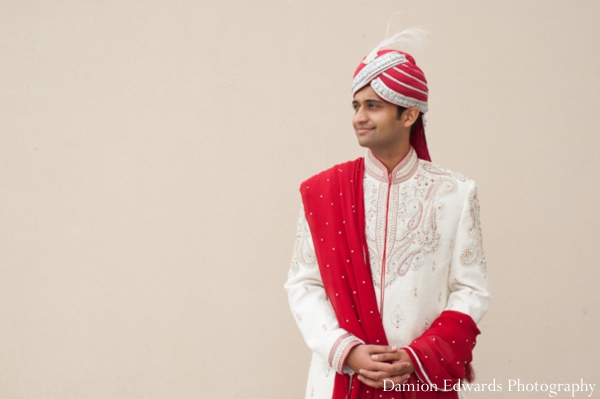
334	208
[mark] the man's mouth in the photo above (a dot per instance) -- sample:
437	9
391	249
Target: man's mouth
363	129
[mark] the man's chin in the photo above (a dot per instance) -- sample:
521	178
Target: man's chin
363	142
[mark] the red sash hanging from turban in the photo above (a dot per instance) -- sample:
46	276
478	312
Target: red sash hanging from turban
334	208
418	140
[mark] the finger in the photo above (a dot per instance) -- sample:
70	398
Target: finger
402	367
377	371
396	367
382	349
368	381
374	375
390	368
387	356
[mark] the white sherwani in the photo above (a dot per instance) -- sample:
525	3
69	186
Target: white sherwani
426	256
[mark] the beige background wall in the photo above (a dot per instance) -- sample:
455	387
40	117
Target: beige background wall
150	156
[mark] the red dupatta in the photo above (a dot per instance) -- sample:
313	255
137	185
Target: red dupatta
334	208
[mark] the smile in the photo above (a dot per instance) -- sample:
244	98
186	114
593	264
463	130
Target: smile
362	130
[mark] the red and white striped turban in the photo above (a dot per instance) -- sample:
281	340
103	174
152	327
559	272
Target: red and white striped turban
396	78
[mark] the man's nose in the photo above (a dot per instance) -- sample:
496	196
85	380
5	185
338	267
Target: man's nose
360	116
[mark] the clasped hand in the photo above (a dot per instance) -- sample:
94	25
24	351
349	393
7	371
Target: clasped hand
375	363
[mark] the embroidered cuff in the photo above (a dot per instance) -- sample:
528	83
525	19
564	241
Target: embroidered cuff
340	350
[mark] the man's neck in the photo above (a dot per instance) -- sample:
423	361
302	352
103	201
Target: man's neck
391	157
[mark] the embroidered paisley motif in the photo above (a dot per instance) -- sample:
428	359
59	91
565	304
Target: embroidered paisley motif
397	317
473	253
413	210
304	253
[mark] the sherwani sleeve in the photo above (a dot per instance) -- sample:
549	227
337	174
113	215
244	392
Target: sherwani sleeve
310	306
444	352
467	280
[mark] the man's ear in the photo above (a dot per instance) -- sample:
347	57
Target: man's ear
410	116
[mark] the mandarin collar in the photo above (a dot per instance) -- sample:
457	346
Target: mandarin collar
402	172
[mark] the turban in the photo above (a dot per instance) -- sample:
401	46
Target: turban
396	78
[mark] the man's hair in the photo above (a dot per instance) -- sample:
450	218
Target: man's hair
399	115
400	111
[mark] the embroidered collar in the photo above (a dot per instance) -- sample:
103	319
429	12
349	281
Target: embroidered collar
402	172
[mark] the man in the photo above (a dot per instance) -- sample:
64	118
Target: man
388	277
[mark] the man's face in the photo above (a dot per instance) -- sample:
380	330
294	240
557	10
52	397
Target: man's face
376	122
